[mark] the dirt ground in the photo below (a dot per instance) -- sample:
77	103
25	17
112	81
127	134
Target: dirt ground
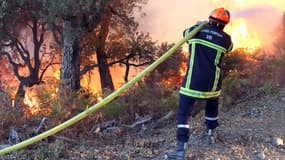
253	129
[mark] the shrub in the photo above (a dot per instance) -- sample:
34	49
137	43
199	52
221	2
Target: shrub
114	109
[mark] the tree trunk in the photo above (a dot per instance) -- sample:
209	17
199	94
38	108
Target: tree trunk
19	98
105	76
70	62
127	70
33	77
70	68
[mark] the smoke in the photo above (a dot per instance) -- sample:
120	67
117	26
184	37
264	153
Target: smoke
166	19
262	17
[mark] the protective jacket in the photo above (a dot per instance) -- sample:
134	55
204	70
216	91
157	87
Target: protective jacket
207	48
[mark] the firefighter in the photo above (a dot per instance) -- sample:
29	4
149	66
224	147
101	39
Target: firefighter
203	78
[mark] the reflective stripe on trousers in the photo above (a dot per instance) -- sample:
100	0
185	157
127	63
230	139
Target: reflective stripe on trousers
184	110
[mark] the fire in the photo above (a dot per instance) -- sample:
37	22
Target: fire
57	74
225	3
99	98
185	49
238	29
32	102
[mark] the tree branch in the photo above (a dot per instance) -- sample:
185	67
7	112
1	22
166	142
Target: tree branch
56	36
88	68
14	64
46	67
95	19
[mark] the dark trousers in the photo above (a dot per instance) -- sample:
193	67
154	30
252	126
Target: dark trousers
184	110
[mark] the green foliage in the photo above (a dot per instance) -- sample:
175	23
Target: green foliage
57	108
155	101
21	2
170	102
267	88
169	73
57	150
3	6
114	109
230	82
249	74
85	99
68	7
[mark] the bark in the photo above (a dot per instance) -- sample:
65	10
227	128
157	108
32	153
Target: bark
105	76
127	64
70	69
19	98
127	72
73	29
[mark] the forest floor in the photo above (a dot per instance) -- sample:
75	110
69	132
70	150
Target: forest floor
252	129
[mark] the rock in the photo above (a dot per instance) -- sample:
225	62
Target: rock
261	155
277	141
282	99
13	136
255	113
156	151
282	95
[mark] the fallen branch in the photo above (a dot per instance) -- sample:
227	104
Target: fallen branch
100	127
142	121
4	146
65	139
13	138
164	118
40	128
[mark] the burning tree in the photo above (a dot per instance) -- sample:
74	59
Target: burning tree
139	50
22	38
71	21
116	40
169	74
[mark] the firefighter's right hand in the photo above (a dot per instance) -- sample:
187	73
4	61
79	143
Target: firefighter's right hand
200	22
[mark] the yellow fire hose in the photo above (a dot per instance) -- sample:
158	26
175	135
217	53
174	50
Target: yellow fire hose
103	102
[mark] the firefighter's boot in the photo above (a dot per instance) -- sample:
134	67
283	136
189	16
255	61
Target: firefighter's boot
211	136
179	153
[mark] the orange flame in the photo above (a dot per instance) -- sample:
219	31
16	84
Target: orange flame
56	74
241	38
32	102
238	27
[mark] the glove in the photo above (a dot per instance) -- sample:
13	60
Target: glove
200	22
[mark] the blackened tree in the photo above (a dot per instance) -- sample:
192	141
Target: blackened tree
22	37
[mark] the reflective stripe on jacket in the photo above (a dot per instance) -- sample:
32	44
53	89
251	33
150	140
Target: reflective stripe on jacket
203	76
